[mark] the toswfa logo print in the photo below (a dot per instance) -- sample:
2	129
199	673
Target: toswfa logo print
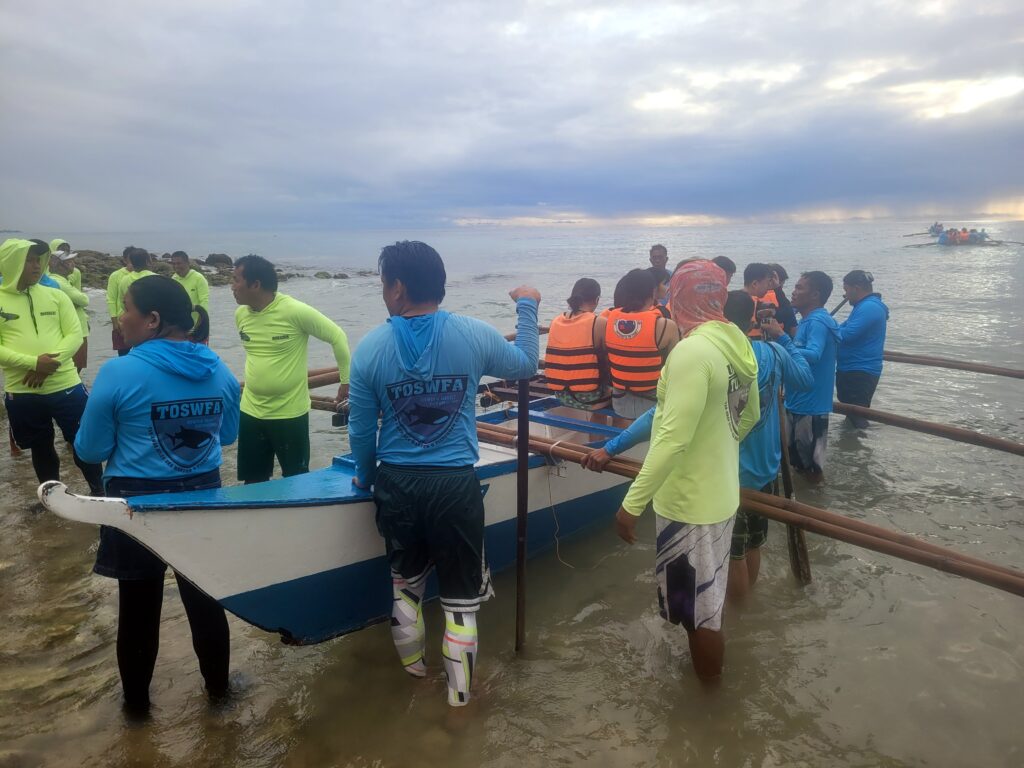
627	329
426	411
185	431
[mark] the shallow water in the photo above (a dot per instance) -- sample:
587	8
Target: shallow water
877	662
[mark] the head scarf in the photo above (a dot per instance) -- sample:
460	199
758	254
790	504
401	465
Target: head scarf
697	294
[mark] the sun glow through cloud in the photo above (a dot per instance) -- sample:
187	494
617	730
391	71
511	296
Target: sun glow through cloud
937	99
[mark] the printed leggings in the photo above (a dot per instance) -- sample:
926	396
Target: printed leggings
459	647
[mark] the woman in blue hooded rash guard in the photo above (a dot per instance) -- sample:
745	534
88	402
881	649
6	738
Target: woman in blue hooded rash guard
158	417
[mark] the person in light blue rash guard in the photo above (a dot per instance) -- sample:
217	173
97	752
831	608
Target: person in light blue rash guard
420	370
861	344
817	341
158	416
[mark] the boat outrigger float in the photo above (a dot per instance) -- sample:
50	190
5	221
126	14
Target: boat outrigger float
301	556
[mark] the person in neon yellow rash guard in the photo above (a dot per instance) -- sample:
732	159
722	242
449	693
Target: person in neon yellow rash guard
39	333
61	262
706	404
139	258
193	281
113	283
275	330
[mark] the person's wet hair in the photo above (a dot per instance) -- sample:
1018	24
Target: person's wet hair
859	277
257	268
180	255
726	264
167	298
139	257
739	308
418	266
756	271
634	290
781	272
820	283
585	291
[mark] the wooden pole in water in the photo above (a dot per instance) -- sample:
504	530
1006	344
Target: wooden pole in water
799	559
931	428
522	509
957	365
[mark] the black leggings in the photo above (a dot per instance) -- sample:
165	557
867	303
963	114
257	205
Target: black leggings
138	637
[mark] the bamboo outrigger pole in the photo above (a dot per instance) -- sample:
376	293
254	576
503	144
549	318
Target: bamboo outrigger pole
957	365
522	507
799	558
809	518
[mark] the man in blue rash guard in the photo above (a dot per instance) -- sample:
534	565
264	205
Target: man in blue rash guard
419	372
778	363
861	343
817	341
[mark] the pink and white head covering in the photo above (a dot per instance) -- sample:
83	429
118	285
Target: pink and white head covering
697	294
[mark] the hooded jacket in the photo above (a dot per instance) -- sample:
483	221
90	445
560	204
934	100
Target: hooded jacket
78	299
817	340
162	411
862	336
706	404
422	373
33	322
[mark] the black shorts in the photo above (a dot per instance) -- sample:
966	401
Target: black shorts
31	416
433	518
751	529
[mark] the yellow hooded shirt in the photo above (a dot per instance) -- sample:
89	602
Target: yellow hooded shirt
33	322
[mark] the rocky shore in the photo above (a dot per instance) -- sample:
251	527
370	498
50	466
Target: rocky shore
217	267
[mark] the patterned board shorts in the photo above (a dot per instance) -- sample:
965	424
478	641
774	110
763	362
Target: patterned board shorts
808	441
692	571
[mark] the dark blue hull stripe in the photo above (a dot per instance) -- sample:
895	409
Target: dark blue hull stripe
324	605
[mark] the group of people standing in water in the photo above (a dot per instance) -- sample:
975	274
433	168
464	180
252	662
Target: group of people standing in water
699	368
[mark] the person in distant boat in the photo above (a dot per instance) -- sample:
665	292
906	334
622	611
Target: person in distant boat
39	335
659	258
113	283
727	265
275	331
159	418
778	366
758	280
637	339
707	402
817	341
62	262
575	362
418	373
784	314
861	343
193	281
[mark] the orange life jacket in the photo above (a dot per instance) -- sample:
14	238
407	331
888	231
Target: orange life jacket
570	362
765	302
633	354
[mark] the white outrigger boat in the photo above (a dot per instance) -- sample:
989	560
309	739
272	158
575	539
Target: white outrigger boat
301	556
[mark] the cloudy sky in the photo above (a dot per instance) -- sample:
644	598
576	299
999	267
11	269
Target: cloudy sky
237	115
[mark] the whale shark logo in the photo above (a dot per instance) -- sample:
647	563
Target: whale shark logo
7	315
185	431
426	411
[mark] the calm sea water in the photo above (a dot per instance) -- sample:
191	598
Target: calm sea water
877	662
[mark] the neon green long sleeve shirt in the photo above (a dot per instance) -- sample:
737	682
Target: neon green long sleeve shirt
198	290
75	278
706	404
112	284
125	283
33	322
78	299
276	341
